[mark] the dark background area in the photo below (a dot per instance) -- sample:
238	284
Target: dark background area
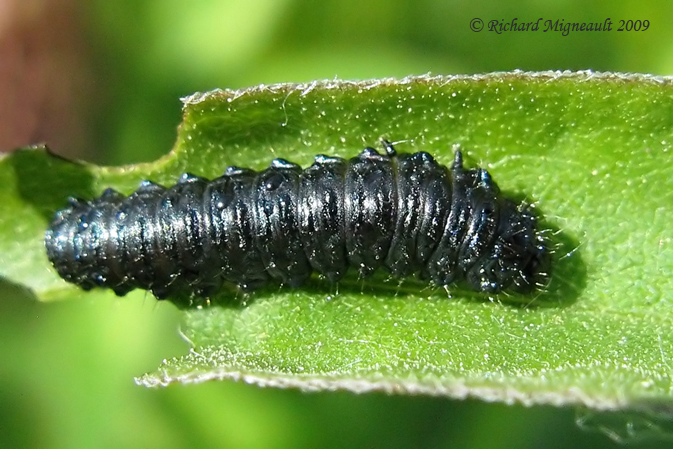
101	80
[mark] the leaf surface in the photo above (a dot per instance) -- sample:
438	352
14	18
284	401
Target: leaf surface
592	151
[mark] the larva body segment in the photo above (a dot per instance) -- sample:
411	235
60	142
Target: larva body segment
404	212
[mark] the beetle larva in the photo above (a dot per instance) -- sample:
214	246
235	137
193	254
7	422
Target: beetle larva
404	212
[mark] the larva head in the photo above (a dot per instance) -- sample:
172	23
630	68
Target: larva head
519	259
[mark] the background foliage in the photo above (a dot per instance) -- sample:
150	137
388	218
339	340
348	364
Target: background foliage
66	369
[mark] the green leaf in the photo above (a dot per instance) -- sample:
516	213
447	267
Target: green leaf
592	151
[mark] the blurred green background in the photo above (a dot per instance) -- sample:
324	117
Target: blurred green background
101	80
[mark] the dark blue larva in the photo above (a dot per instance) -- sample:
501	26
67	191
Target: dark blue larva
405	212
